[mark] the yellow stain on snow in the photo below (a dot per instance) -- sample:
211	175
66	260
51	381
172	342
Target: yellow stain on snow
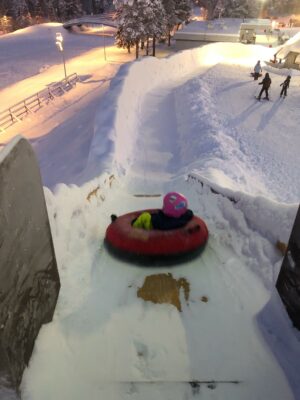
163	288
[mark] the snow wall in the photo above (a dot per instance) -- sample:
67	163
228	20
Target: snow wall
118	119
117	123
29	280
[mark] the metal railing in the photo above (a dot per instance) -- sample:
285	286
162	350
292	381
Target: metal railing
31	104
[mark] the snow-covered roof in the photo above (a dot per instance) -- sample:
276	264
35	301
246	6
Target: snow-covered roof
293	44
224	25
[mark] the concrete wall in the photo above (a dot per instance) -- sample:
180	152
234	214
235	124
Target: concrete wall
29	280
288	282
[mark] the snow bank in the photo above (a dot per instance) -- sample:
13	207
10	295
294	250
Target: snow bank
117	123
78	220
250	226
275	219
293	44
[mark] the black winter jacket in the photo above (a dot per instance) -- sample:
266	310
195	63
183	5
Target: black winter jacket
163	222
286	83
266	82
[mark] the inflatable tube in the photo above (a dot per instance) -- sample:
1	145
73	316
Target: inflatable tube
122	238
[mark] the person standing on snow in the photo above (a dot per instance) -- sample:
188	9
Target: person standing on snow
285	86
266	82
257	70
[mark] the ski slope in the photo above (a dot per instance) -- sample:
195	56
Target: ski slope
160	121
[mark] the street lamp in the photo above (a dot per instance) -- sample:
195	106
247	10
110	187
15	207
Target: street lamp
60	47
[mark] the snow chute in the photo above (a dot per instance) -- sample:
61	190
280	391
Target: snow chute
139	244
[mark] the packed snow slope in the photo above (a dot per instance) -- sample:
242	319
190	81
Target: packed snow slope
203	100
195	111
105	342
160	120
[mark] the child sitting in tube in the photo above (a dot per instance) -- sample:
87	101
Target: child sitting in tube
174	214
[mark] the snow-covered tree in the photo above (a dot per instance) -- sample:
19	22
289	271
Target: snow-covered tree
20	13
137	21
183	10
169	7
67	9
105	5
3	7
19	8
155	20
42	8
127	34
210	7
239	8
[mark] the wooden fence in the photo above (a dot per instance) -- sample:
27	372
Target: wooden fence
31	104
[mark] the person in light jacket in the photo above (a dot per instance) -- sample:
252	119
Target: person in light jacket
257	70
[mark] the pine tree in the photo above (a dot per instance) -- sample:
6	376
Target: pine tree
105	5
19	8
130	27
137	21
239	9
155	21
39	8
183	10
3	7
209	5
20	13
46	9
73	8
67	9
169	7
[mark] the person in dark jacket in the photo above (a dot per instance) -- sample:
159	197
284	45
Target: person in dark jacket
285	86
266	83
174	214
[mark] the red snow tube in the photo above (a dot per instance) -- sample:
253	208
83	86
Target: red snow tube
123	239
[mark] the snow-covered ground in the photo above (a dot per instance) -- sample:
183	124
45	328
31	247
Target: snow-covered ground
159	121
